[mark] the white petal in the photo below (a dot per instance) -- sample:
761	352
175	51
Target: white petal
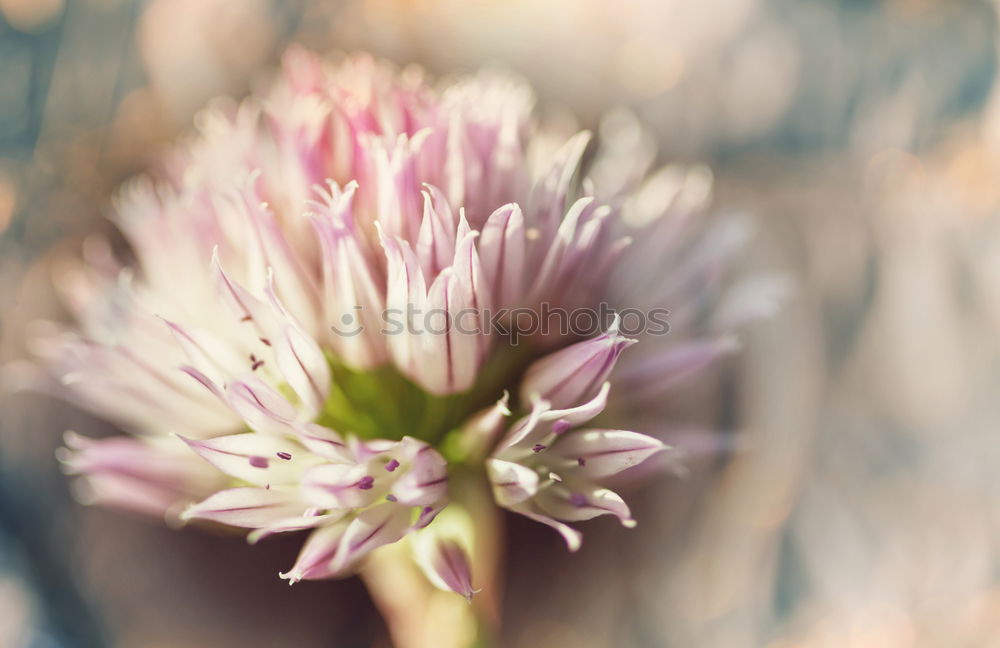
445	563
246	507
255	458
602	453
583	502
373	528
426	480
317	554
512	483
261	406
341	486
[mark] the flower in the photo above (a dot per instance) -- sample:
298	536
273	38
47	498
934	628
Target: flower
325	299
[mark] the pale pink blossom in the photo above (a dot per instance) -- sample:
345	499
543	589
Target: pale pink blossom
247	352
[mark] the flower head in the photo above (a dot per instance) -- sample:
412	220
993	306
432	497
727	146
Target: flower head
327	297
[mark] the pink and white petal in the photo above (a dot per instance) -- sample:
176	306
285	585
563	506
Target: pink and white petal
436	240
438	360
341	485
445	563
246	308
258	459
512	483
572	376
425	481
128	493
371	529
553	265
406	295
603	453
204	381
583	502
247	507
353	298
581	414
159	470
323	442
262	407
355	302
291	524
480	432
526	428
652	375
315	560
572	537
455	338
304	367
207	353
502	252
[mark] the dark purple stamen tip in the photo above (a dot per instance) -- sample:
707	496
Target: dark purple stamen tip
266	341
256	365
366	482
392	465
285	455
560	426
538	447
426	511
577	499
390	497
258	462
581	461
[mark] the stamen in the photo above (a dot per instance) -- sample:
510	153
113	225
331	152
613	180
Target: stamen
366	482
581	461
538	447
390	497
265	341
392	465
258	462
285	455
246	318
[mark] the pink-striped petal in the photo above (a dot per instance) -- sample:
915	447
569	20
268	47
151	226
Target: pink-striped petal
316	557
371	529
425	482
512	483
262	407
251	508
446	565
603	453
254	458
573	375
583	502
342	486
502	248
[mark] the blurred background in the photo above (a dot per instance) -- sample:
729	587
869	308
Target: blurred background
860	505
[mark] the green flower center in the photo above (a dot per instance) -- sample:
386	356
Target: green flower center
382	403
